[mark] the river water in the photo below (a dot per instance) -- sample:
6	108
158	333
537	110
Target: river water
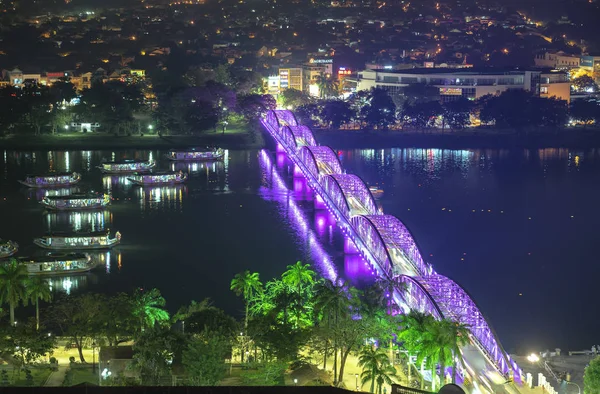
516	228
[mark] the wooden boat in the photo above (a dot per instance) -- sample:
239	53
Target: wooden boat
77	201
126	166
196	154
58	264
8	248
51	180
78	241
157	179
376	192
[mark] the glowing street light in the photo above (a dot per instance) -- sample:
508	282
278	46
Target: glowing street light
533	358
295	382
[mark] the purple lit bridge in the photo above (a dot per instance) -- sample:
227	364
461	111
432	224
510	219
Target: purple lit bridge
389	248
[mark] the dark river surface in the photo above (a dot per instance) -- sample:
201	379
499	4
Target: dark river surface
516	228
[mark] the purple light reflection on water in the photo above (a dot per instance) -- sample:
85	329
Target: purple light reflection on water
356	270
324	263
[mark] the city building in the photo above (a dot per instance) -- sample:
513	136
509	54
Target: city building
290	78
467	82
557	60
310	74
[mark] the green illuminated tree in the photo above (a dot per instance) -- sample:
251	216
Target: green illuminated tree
591	377
371	359
148	308
38	289
13	280
299	276
246	284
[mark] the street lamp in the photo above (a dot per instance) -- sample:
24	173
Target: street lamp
356	377
295	382
94	357
533	358
150	127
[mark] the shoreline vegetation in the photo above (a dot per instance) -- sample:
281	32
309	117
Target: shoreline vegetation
476	138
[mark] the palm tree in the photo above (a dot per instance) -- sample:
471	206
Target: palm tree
38	289
371	360
298	275
13	277
327	85
417	338
451	336
246	284
333	299
384	376
148	308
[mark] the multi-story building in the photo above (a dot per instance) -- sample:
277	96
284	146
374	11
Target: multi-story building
555	84
557	60
290	78
467	82
310	74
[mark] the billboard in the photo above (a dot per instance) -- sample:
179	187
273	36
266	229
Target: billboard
587	61
451	91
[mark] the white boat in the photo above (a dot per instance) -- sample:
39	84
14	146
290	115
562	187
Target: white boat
8	248
127	166
51	180
157	179
196	154
78	201
58	264
376	192
78	241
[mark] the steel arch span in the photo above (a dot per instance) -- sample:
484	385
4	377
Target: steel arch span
346	196
320	160
281	117
350	194
456	304
392	244
302	135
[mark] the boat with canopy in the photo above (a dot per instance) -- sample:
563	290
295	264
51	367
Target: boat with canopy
51	180
196	154
126	166
76	201
157	179
8	248
78	241
58	264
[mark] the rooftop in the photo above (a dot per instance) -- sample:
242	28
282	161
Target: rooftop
467	71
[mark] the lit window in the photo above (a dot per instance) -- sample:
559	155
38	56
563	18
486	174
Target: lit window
544	89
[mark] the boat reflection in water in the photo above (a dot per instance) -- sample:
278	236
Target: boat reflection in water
162	197
120	182
39	194
79	221
67	284
198	167
109	260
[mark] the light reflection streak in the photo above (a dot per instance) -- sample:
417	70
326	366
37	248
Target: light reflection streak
283	195
161	197
79	221
67	162
67	284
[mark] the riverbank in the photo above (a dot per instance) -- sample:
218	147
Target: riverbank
468	139
92	141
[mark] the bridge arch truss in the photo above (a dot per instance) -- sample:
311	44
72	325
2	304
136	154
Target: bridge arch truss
281	117
320	160
392	244
347	188
302	135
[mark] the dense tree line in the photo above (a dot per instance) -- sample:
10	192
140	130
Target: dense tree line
419	108
285	320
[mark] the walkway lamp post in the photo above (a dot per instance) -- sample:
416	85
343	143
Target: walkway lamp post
356	378
295	382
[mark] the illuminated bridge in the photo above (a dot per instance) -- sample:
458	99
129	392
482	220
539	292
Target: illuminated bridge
388	246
